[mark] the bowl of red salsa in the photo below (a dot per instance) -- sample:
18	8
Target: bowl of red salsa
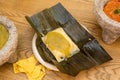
107	13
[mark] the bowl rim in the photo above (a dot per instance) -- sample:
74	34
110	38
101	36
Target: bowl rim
11	44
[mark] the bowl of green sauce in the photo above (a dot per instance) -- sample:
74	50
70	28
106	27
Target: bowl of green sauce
8	41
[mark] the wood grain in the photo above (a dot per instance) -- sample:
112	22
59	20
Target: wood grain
82	10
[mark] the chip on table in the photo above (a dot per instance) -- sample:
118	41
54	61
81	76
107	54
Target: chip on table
30	66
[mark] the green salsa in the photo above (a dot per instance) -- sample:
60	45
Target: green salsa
3	36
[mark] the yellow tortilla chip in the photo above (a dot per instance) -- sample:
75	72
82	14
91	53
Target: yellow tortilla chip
17	68
28	66
37	74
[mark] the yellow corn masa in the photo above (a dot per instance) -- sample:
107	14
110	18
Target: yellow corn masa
28	66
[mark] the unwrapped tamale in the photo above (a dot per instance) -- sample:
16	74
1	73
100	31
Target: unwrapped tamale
90	52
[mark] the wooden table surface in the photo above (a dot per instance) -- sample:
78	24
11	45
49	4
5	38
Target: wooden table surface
82	10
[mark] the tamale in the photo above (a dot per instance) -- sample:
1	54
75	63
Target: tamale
90	54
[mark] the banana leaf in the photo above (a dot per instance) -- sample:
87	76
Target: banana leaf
91	52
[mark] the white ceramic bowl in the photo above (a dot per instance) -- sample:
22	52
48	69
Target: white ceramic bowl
111	28
7	53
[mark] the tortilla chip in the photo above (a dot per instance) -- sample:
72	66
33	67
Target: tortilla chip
30	67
